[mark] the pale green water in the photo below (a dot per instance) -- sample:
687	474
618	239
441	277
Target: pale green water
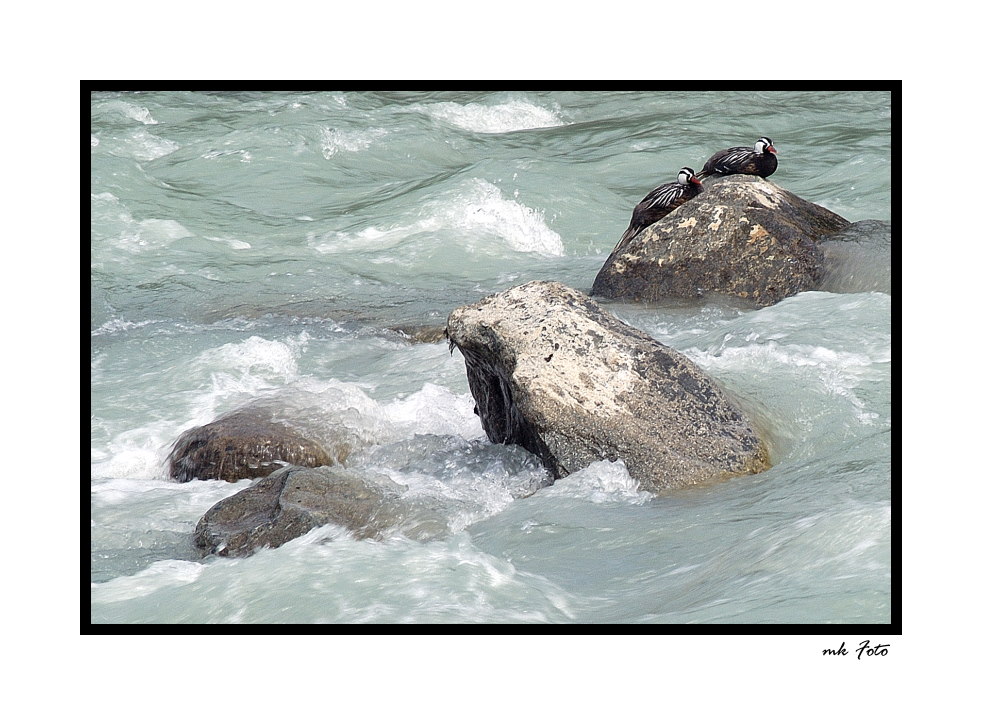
261	245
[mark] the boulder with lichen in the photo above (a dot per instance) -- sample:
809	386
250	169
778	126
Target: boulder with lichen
742	236
552	371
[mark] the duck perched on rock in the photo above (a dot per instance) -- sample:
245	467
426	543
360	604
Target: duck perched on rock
759	160
744	237
660	202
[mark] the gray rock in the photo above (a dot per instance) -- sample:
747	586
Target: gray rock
858	259
422	333
553	372
743	236
293	500
246	444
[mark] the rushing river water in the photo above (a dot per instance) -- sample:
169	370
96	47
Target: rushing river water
277	247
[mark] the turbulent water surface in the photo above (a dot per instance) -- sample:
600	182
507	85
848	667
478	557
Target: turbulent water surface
277	249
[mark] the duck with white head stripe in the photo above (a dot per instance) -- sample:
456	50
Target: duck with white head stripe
758	160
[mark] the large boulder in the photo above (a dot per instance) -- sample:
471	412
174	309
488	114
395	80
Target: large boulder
293	500
246	444
553	372
742	236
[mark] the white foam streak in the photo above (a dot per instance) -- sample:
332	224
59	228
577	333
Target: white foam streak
144	146
493	119
242	155
153	233
485	210
128	110
156	576
258	354
134	454
130	234
601	482
833	372
233	243
244	370
473	213
117	325
435	410
335	141
370	239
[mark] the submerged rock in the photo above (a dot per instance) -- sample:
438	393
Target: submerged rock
422	333
553	372
858	259
245	444
743	236
293	500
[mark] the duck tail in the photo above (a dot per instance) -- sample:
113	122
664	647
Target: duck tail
626	238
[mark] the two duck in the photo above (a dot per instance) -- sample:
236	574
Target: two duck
759	160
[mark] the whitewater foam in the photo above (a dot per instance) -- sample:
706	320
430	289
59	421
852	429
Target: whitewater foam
125	109
435	410
140	145
121	231
473	212
335	141
153	578
233	243
515	115
117	325
600	482
833	372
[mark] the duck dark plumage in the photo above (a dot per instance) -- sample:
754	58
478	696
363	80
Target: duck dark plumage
660	202
759	160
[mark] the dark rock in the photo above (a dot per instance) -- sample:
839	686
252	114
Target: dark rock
246	444
553	372
743	236
292	501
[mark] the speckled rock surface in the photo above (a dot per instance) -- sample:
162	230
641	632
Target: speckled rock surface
743	236
553	372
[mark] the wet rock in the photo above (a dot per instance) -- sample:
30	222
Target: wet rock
858	259
293	500
422	333
246	444
553	372
743	236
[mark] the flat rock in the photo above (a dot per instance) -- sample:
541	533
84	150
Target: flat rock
552	371
742	236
